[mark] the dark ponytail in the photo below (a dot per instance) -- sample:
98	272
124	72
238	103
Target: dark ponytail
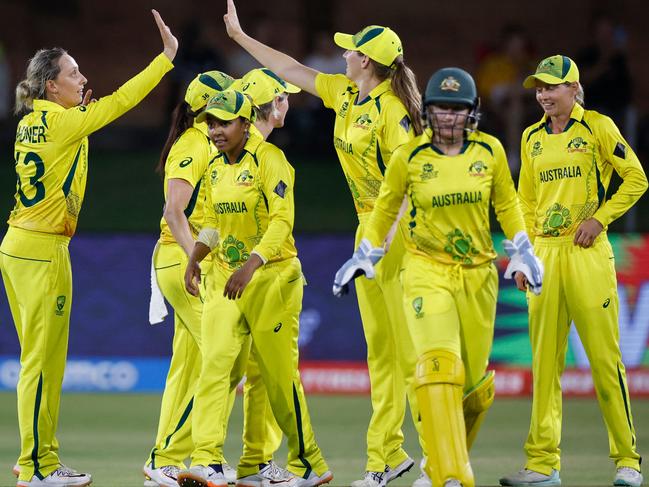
404	86
181	119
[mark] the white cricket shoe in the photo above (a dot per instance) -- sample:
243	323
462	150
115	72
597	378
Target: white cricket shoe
399	470
201	476
61	477
452	483
270	474
526	477
627	477
423	480
166	476
313	480
229	473
370	479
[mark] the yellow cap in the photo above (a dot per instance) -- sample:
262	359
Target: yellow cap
228	105
554	70
262	85
204	86
379	43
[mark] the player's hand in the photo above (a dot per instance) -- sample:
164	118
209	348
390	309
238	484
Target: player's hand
587	233
87	98
521	281
523	261
169	42
241	277
231	20
361	263
192	277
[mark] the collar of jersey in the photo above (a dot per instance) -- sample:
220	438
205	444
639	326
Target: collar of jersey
576	115
202	128
47	106
378	90
253	142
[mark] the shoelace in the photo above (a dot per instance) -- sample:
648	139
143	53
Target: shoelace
64	471
171	471
375	476
275	472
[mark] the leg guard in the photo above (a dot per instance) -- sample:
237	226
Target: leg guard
439	380
476	403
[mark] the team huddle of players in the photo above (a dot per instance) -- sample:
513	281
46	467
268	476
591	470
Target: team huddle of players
423	179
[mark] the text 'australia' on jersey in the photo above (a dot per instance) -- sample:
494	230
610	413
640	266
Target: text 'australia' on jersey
51	153
250	202
366	133
564	176
449	199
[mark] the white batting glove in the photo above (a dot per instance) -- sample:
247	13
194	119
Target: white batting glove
361	263
523	259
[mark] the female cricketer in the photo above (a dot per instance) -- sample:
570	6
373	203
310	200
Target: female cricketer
568	158
451	175
254	289
183	164
51	154
377	107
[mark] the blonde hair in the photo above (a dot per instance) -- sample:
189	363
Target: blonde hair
404	84
43	67
579	97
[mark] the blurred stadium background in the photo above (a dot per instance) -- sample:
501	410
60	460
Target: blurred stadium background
114	350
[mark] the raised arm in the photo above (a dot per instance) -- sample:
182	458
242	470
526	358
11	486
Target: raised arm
81	121
169	42
282	64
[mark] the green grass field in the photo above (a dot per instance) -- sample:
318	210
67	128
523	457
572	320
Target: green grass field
110	435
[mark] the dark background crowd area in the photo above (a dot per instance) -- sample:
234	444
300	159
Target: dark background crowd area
499	42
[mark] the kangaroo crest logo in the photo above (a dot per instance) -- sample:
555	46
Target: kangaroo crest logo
478	168
245	178
418	305
546	66
578	144
450	84
60	303
363	122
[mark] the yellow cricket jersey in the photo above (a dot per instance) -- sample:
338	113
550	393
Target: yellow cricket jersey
250	202
564	177
51	153
366	133
449	198
188	160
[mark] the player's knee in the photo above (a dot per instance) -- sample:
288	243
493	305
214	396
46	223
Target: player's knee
439	367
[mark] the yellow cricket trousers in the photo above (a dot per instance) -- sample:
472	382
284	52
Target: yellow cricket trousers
173	440
452	308
268	311
390	356
579	284
38	280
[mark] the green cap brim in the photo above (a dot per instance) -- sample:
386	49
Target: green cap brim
530	81
215	112
346	41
